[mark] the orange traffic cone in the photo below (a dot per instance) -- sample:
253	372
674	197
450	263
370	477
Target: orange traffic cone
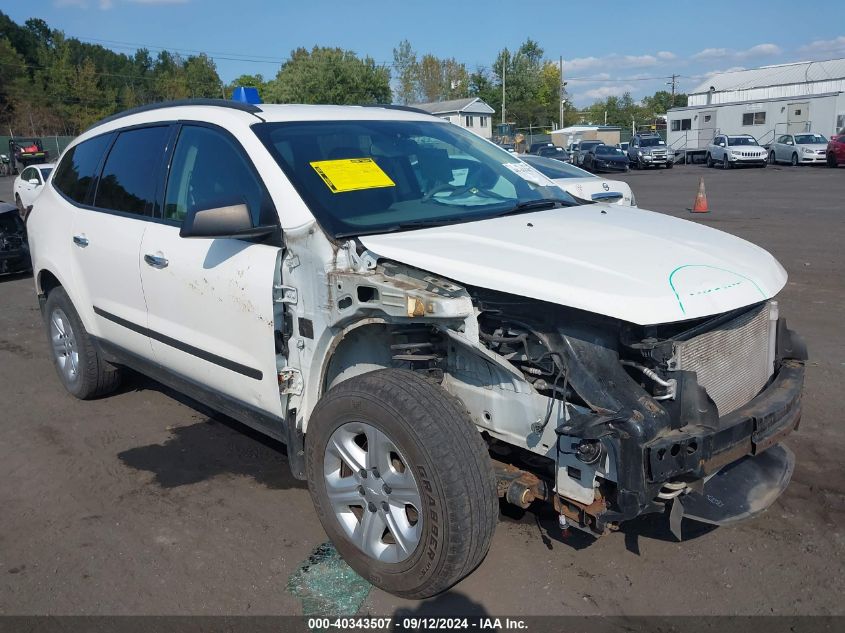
700	205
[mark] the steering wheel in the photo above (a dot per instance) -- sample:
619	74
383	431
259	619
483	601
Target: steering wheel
472	182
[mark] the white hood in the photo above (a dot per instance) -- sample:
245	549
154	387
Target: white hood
635	265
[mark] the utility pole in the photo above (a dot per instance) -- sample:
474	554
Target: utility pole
504	71
672	83
562	84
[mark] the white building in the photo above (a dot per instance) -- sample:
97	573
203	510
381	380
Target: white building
764	102
471	113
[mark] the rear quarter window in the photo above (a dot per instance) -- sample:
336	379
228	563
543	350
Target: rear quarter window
77	170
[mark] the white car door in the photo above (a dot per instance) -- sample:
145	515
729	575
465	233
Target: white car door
783	152
26	189
210	301
107	232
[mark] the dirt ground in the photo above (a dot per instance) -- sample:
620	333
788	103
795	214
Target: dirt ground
146	503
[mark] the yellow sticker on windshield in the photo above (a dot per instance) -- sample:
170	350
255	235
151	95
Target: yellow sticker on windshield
352	174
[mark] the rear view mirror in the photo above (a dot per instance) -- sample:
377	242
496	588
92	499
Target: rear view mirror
233	221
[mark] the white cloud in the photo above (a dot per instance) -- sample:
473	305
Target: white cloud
833	47
614	60
760	50
602	92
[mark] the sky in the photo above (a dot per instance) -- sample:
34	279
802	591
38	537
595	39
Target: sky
629	46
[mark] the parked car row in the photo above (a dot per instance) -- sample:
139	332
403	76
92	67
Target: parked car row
805	148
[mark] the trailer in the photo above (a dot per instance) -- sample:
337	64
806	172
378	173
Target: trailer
763	102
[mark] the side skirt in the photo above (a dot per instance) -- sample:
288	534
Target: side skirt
253	417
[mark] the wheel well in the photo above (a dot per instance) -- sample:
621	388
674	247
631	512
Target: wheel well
47	281
380	346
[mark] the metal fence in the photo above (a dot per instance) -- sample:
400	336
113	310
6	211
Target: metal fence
53	144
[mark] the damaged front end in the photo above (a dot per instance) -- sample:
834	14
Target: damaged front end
14	251
649	418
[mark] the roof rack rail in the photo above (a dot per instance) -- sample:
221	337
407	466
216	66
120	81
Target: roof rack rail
220	103
390	106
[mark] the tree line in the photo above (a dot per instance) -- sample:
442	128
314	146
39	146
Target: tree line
53	84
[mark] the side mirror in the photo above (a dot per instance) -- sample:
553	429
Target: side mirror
721	144
34	181
233	221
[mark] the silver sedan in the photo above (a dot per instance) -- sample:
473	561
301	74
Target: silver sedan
799	149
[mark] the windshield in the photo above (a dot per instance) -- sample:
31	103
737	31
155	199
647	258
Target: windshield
555	168
606	150
651	142
809	139
742	140
360	177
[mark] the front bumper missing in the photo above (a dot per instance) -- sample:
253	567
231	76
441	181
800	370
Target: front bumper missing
740	490
749	430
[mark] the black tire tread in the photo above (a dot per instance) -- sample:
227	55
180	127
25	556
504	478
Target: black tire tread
464	465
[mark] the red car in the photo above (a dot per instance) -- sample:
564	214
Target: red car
836	149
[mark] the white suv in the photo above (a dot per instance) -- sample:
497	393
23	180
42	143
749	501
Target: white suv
428	323
734	150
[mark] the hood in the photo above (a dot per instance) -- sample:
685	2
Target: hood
623	262
611	158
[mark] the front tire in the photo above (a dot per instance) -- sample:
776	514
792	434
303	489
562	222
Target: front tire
84	373
831	160
379	445
709	160
794	161
726	164
772	159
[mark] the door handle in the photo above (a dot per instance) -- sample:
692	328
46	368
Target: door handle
80	240
156	261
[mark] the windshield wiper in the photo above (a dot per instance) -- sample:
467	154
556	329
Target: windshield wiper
532	205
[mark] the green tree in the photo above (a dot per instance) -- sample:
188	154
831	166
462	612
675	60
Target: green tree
202	78
407	73
248	81
329	75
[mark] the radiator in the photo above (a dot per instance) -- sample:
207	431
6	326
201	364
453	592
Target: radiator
735	360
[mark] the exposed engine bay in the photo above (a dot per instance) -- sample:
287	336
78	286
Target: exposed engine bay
14	251
671	405
604	419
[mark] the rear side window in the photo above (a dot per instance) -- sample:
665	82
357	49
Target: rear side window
76	171
128	181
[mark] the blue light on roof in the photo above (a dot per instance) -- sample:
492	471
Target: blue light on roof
246	95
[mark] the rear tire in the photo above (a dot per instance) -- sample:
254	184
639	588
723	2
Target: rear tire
80	366
429	435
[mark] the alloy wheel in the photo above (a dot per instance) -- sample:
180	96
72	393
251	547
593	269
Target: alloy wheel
373	492
65	348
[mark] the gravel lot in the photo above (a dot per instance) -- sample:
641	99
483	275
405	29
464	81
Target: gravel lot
146	503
